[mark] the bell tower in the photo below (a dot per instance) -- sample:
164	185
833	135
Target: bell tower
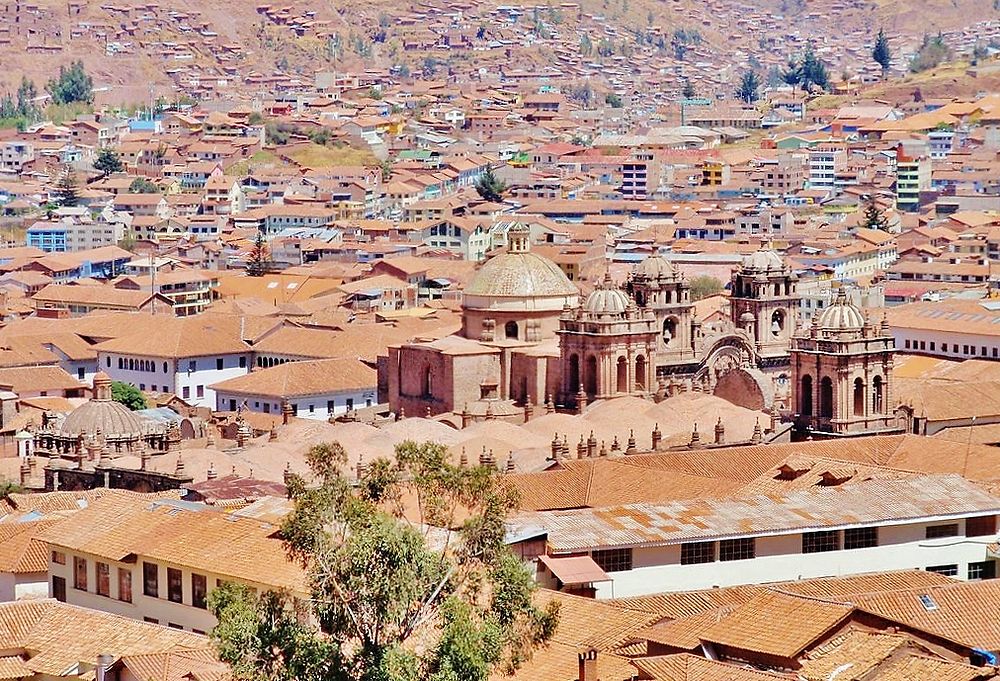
764	301
657	286
842	366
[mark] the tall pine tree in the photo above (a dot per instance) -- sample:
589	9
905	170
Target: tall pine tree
881	52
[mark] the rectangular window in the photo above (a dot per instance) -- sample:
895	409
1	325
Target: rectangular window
186	392
330	406
199	590
697	552
175	587
613	560
938	531
946	570
219	363
59	589
79	573
819	542
125	585
58	557
737	549
103	579
150	620
861	538
243	362
986	569
981	527
201	391
151	580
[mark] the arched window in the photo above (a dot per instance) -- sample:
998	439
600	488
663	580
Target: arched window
826	397
426	385
777	322
669	330
510	330
574	373
622	375
806	398
878	396
121	362
590	376
859	397
164	367
640	373
131	365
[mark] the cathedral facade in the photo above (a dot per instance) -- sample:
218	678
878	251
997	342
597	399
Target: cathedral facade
527	340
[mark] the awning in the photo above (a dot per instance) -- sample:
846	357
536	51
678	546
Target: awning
571	570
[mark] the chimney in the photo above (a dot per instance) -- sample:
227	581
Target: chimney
104	661
588	665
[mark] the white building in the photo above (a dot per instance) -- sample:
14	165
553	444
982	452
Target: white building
182	356
315	389
938	523
824	164
952	328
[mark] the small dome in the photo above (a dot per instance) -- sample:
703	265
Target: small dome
656	267
111	418
607	301
763	259
841	315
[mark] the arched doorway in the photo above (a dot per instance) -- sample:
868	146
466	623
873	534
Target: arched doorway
878	396
590	376
826	397
510	330
574	374
640	373
426	384
622	386
859	397
806	395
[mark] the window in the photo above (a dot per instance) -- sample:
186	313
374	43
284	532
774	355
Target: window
697	552
175	587
150	620
125	585
613	560
103	579
81	373
986	569
172	625
164	367
59	589
58	557
151	580
861	538
186	392
938	531
946	570
201	391
981	527
79	573
330	406
737	549
818	542
243	362
192	365
199	590
219	363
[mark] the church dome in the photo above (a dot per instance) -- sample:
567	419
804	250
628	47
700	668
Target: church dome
519	274
763	260
609	300
101	413
656	267
842	315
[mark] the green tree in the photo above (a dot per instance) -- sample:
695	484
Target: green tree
613	99
127	394
108	162
382	580
932	53
749	89
874	217
704	286
141	185
72	85
881	52
688	91
67	192
490	188
808	72
26	95
386	167
259	261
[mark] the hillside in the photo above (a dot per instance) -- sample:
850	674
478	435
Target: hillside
138	51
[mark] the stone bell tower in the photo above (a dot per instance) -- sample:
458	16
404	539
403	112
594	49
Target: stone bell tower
764	301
